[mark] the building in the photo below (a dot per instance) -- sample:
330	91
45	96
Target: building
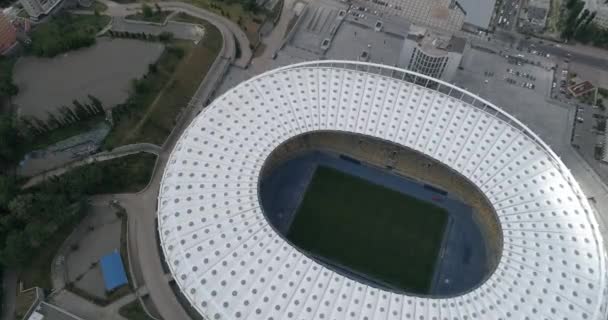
431	53
479	13
534	17
8	34
600	7
445	15
601	17
230	263
38	8
581	88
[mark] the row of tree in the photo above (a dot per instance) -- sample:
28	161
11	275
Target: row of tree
141	88
579	25
67	116
29	218
7	86
163	36
574	19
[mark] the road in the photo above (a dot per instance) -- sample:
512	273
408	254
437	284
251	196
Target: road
141	207
587	56
229	29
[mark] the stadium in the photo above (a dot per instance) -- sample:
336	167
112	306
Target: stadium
350	190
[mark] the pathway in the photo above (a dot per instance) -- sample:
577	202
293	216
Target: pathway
229	29
101	156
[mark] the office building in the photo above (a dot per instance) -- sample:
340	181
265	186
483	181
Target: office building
432	53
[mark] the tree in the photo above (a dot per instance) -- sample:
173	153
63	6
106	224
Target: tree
16	251
146	11
582	17
571	21
7	87
80	110
96	103
152	68
251	5
165	36
10	152
8	190
20	207
53	121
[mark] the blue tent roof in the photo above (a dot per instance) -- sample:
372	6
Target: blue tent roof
113	271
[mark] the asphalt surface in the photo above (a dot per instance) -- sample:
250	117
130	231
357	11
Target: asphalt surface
229	29
574	53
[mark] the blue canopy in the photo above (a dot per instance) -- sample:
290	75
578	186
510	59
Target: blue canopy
113	271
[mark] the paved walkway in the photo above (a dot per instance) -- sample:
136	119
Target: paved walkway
87	310
102	156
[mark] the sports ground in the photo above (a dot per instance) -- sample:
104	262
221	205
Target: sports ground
369	198
392	238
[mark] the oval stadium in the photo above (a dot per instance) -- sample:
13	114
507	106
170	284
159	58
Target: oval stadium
351	190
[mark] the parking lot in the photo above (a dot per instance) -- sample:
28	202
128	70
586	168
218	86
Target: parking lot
498	72
506	14
486	75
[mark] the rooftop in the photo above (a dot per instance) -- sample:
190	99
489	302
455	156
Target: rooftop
478	12
230	263
113	271
436	43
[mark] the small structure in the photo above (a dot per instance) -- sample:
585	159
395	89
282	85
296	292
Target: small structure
581	88
432	53
113	271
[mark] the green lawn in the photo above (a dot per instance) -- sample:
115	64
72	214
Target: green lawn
151	115
392	238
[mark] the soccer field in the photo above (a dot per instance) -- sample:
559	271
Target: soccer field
392	238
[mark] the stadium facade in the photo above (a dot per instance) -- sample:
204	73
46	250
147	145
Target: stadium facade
229	263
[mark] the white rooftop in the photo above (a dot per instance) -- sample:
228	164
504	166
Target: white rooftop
231	264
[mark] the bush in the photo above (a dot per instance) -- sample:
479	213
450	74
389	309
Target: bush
65	32
165	36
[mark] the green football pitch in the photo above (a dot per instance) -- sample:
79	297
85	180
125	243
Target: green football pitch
391	238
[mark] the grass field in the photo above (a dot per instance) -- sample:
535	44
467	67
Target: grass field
390	237
152	114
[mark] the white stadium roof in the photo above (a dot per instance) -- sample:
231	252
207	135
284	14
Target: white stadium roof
231	264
